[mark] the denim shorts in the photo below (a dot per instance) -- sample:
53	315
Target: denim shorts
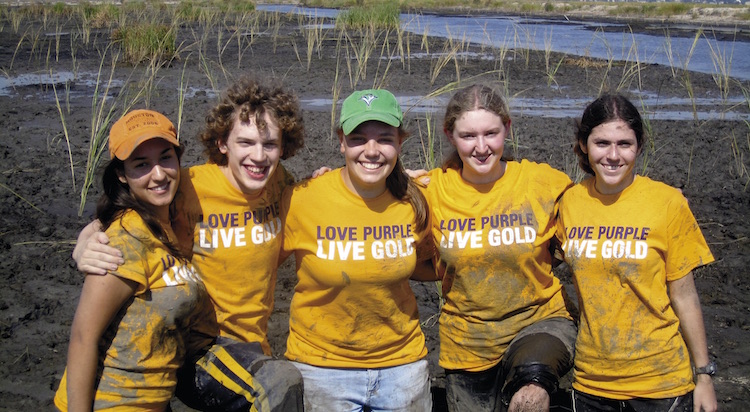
403	388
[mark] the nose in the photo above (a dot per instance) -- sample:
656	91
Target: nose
257	153
371	148
158	173
481	144
612	152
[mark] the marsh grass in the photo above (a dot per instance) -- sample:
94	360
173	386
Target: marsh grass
451	48
63	117
359	47
103	111
154	42
16	194
649	150
739	164
381	15
631	69
430	142
722	62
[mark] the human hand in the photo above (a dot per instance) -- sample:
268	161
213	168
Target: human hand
530	397
321	171
704	396
92	254
417	174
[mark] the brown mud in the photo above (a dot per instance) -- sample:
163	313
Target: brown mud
39	284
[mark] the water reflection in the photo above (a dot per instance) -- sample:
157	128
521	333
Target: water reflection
597	40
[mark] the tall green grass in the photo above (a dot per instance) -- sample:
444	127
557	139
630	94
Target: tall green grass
146	42
379	16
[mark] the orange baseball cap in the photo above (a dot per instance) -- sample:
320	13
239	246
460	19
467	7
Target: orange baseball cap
135	128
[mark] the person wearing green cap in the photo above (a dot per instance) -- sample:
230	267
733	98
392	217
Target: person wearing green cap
358	234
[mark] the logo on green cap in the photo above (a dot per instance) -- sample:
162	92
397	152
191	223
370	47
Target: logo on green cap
368	99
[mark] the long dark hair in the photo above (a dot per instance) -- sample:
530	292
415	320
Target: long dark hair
117	199
403	188
607	108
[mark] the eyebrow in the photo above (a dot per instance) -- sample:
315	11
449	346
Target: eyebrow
162	152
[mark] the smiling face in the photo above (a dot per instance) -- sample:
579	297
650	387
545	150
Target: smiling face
252	154
479	138
612	150
371	151
152	172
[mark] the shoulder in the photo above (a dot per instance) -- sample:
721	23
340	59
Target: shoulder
316	187
544	175
659	192
542	169
579	190
201	171
129	225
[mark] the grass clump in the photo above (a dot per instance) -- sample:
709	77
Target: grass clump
382	16
146	42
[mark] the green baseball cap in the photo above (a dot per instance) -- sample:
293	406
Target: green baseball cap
372	104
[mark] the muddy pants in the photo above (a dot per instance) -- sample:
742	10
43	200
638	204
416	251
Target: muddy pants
237	376
541	353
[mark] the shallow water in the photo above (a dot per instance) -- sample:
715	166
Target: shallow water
597	40
82	85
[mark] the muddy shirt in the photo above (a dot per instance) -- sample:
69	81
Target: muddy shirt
353	306
236	247
623	249
147	340
494	242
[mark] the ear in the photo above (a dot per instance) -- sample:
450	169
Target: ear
122	178
583	147
341	141
506	126
222	146
449	135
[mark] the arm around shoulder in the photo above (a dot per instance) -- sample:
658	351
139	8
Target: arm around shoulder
92	253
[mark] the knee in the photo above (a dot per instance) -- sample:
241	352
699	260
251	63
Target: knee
530	398
281	372
535	359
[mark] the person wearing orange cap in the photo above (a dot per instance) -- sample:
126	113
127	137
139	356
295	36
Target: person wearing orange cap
134	325
230	210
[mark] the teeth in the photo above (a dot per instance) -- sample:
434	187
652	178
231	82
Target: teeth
611	167
160	188
255	169
370	166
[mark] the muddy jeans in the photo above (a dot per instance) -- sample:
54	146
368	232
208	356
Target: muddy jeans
540	353
589	403
237	376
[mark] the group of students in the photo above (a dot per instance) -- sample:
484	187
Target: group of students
181	268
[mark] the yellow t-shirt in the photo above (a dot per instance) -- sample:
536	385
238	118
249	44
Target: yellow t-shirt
236	247
494	240
623	249
353	306
147	341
